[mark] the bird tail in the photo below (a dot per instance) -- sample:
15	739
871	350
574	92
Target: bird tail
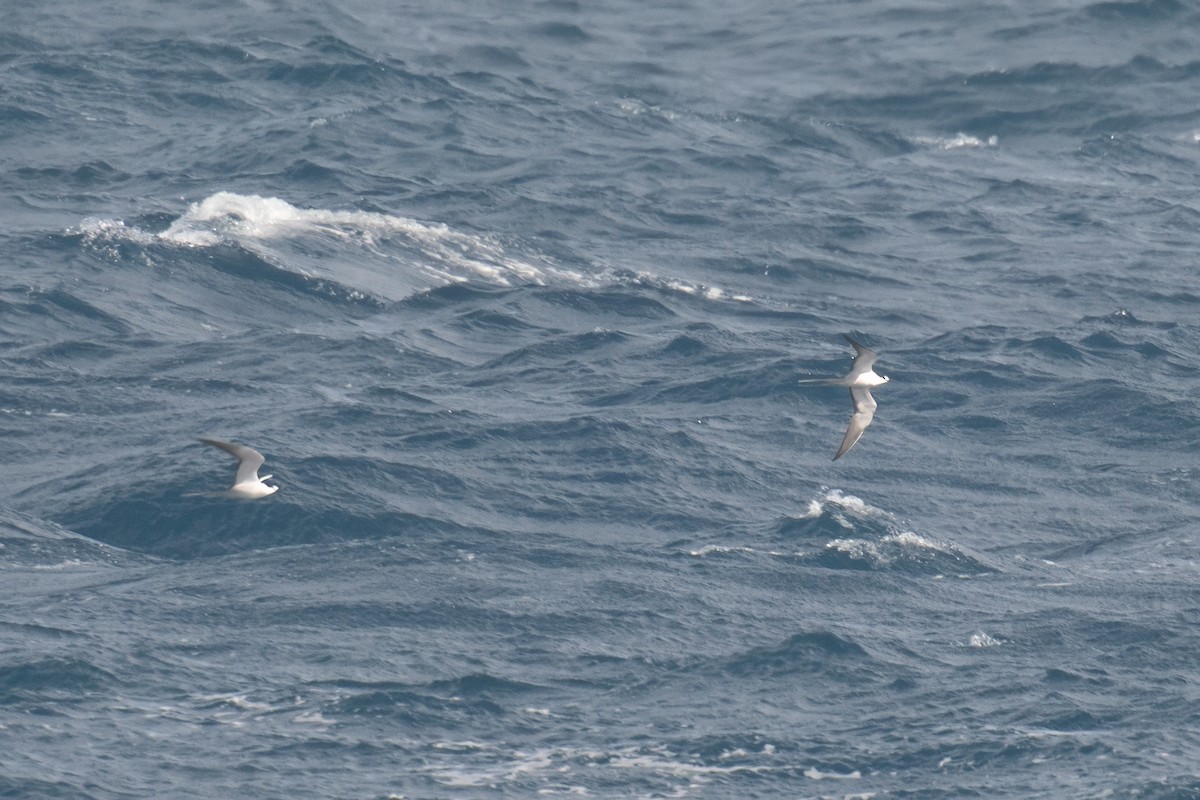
822	381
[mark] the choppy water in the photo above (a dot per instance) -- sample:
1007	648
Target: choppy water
515	298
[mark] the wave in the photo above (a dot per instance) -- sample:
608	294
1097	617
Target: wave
819	651
166	524
31	544
387	256
856	535
62	680
841	531
360	254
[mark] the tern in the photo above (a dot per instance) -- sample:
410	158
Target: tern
861	379
246	484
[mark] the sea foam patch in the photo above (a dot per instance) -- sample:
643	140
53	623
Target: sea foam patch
957	142
382	255
846	532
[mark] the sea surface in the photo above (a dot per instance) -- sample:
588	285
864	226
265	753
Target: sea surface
515	298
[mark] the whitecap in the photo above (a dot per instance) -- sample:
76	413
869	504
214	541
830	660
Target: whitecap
981	639
382	255
956	142
819	775
835	501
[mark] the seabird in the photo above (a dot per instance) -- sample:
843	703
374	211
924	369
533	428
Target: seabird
246	484
860	379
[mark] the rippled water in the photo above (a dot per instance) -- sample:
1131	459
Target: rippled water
515	300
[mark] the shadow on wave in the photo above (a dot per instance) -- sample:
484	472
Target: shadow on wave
166	524
32	787
819	651
30	543
55	680
241	263
831	659
453	702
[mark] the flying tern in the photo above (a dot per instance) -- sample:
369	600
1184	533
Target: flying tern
246	484
861	379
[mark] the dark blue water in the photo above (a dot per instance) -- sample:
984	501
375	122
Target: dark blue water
514	297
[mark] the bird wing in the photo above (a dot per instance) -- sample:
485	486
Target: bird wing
864	358
249	460
864	412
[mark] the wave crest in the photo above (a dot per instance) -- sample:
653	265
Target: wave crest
852	534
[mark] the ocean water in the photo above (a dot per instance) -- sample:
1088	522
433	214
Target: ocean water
515	298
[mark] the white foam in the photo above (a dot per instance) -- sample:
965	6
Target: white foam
460	746
818	775
910	539
240	701
839	504
957	142
981	639
461	779
859	549
721	549
450	255
705	291
70	563
889	548
237	701
893	543
857	507
632	107
681	769
28	413
383	255
848	502
815	509
553	763
94	229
